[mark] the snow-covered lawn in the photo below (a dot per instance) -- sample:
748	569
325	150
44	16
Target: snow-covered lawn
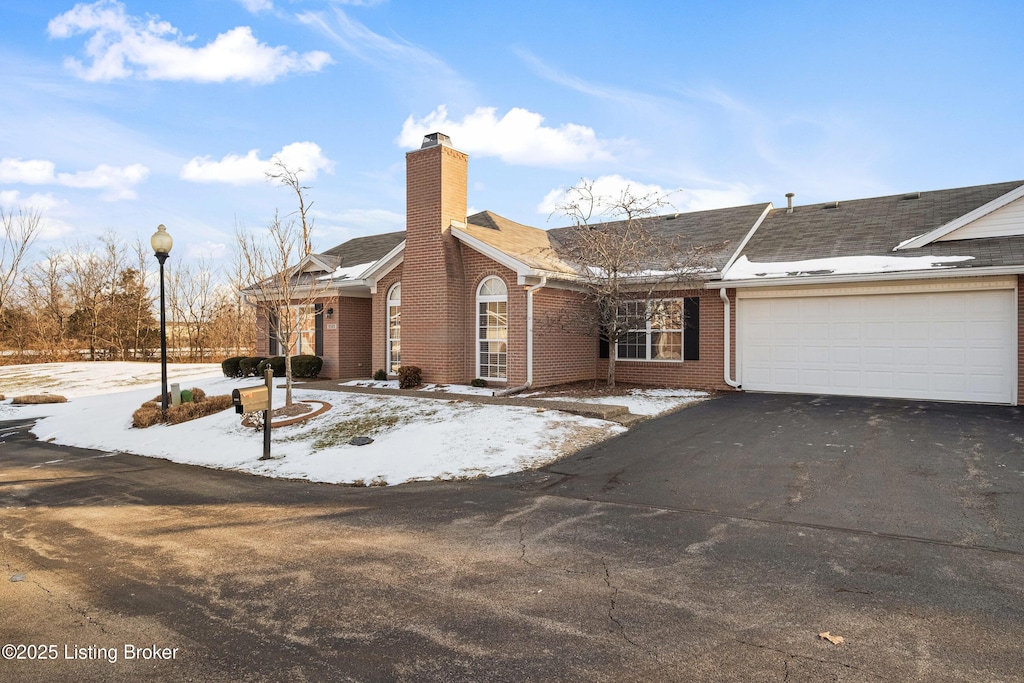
639	401
414	438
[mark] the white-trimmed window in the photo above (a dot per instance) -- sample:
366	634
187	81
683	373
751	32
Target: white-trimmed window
655	330
394	350
492	328
297	326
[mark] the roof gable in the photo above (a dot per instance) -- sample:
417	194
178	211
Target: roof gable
991	225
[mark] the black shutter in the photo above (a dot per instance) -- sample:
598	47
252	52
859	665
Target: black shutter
272	332
603	348
691	328
318	336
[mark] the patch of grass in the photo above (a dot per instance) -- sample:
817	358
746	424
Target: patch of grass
368	422
379	480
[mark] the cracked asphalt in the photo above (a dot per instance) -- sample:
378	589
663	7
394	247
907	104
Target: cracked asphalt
713	544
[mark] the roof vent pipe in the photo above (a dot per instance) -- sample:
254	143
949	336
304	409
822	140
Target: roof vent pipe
789	201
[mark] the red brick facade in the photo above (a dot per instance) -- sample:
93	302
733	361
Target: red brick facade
346	336
705	373
434	329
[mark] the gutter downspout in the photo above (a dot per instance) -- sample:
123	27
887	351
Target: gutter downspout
728	365
529	341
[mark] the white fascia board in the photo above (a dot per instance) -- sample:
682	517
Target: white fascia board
942	231
383	266
493	253
933	274
750	233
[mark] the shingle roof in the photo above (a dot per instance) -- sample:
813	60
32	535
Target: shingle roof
531	246
361	250
718	230
875	226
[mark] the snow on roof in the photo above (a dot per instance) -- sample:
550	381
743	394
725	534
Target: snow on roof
347	272
744	269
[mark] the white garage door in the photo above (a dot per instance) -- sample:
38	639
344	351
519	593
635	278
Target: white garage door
953	346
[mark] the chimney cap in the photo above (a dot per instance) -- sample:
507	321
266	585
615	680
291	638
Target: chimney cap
435	139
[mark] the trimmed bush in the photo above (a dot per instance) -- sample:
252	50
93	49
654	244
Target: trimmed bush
34	399
198	394
247	366
146	416
274	362
231	366
409	377
478	382
186	396
380	376
150	414
306	366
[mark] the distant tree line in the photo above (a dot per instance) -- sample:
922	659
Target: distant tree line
99	302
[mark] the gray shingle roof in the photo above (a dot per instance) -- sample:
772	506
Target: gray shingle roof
875	226
720	230
367	249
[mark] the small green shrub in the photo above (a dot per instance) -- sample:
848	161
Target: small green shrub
274	362
307	366
231	366
409	377
478	382
380	376
247	366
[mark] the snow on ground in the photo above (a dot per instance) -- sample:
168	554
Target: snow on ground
414	438
639	401
72	380
446	388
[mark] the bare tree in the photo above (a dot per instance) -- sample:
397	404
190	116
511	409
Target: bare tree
47	298
20	229
192	303
289	177
626	270
282	294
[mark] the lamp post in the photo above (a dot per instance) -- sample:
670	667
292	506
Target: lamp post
162	242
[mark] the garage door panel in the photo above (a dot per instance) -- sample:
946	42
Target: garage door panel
941	345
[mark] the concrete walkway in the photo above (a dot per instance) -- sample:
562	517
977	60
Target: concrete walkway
600	411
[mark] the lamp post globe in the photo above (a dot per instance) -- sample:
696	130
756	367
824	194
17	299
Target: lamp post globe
161	242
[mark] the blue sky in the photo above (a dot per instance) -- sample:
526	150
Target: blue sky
123	115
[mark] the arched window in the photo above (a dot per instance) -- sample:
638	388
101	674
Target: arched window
394	350
492	328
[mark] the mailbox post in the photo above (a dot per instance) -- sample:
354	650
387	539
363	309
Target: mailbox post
254	399
268	377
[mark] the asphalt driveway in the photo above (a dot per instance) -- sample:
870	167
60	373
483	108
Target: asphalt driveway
942	472
711	545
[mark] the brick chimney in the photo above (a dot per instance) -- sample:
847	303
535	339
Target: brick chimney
435	320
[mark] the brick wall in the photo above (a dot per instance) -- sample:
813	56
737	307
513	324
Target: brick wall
379	320
561	351
705	373
351	340
346	345
434	327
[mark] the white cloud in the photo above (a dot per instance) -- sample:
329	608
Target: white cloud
257	6
206	249
518	137
364	221
249	169
409	67
680	199
117	181
50	228
122	46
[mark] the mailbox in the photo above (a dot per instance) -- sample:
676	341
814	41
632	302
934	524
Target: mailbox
250	400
